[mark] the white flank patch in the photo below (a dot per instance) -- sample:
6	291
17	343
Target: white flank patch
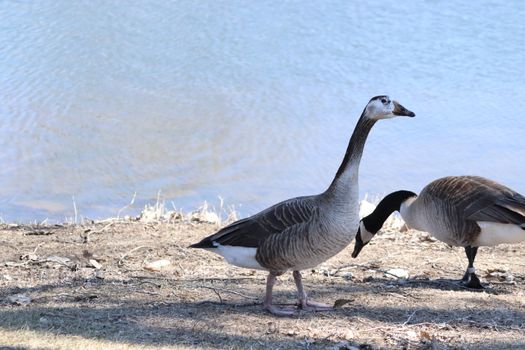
495	233
238	256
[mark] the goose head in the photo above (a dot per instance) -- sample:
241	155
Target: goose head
372	223
382	107
362	238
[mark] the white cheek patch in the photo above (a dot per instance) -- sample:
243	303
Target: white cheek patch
377	110
366	235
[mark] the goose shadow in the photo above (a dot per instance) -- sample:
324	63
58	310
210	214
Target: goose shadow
210	320
201	324
444	284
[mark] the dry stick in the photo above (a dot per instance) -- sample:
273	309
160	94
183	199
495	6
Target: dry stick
26	255
410	317
127	206
121	260
37	246
86	238
75	208
147	292
224	290
216	292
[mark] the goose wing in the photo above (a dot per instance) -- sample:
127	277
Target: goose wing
250	232
490	201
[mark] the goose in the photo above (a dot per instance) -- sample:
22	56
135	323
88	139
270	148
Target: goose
302	232
462	211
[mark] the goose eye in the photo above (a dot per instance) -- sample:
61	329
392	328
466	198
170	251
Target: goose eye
383	100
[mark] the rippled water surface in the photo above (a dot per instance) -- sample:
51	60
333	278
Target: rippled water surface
252	101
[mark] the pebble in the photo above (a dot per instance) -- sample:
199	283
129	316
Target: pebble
398	273
19	299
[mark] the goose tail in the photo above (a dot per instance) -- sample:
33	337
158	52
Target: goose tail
204	244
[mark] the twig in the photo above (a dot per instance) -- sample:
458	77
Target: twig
147	292
75	208
149	282
127	206
409	318
37	246
215	291
86	237
225	291
121	260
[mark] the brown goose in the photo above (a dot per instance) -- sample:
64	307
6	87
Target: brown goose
463	211
302	232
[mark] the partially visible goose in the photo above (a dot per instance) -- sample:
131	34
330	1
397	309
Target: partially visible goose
464	211
302	232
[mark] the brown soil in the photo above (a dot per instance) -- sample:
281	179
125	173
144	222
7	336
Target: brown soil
199	301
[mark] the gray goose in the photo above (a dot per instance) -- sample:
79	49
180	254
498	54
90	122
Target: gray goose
302	232
462	211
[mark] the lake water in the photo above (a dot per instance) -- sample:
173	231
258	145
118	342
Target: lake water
253	101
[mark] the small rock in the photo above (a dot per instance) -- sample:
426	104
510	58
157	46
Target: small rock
348	334
501	275
156	266
272	328
412	335
7	277
205	216
100	274
328	272
347	276
19	299
30	257
94	263
43	321
58	259
397	273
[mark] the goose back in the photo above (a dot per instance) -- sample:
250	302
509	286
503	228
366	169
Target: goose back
451	208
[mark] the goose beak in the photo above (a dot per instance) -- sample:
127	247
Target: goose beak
358	244
402	111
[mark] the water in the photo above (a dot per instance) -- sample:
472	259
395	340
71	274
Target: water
251	101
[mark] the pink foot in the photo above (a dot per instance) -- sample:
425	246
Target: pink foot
282	312
311	305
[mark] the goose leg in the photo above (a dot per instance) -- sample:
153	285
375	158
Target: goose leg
268	305
470	278
304	303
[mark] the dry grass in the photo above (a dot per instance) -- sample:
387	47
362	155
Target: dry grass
201	302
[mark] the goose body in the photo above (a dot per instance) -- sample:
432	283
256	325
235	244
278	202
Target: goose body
464	211
302	232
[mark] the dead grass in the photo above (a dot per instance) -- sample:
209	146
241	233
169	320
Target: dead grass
199	301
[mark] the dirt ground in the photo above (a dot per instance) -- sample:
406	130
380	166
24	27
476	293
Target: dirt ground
85	286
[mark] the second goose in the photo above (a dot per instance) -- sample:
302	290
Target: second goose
464	211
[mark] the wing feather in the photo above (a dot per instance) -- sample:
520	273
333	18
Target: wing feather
252	231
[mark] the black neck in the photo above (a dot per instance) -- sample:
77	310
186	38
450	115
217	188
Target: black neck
356	145
387	206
